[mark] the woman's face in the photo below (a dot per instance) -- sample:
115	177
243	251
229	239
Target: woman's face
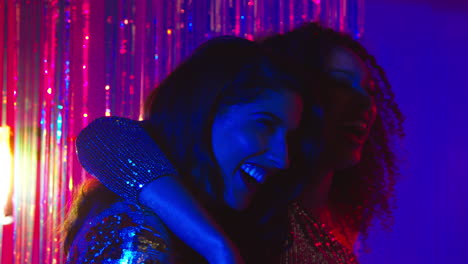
249	143
350	110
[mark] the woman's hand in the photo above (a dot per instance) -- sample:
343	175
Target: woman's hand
190	222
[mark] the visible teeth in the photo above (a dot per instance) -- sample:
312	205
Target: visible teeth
255	172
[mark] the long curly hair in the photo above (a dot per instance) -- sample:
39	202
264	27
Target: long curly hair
364	192
222	72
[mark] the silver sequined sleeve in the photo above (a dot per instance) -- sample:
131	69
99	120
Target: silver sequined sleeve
120	153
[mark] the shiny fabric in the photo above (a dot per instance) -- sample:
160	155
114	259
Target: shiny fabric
110	148
105	149
124	233
311	243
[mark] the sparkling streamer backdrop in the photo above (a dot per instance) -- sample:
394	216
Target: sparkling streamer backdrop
64	63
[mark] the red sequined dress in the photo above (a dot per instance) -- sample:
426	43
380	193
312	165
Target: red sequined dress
311	242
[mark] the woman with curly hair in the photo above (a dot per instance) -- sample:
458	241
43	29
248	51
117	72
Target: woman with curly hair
333	197
352	181
217	126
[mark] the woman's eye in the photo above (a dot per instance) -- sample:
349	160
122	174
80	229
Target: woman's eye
341	77
341	81
344	84
267	124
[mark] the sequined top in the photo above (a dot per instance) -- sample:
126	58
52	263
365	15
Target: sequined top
120	234
110	148
311	242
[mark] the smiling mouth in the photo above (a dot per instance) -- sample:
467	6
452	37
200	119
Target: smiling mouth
253	176
358	125
255	172
251	184
356	130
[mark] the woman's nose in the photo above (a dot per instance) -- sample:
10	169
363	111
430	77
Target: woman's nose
364	98
279	153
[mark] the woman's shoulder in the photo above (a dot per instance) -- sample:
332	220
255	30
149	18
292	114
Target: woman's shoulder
124	232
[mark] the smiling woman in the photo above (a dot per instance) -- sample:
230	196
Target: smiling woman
343	188
257	148
352	183
352	109
221	122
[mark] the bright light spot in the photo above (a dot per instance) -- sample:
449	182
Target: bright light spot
85	115
6	220
49	91
84	67
5	177
108	112
87	37
126	21
59	126
107	87
70	184
169	31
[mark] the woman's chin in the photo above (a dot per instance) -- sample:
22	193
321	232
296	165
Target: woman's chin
348	159
238	203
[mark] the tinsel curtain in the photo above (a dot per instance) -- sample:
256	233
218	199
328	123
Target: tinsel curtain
64	63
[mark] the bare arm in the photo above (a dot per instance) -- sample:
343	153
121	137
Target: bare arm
170	200
126	160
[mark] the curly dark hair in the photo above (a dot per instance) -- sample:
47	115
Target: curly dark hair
364	192
222	72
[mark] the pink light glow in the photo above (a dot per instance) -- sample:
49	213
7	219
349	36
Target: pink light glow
129	48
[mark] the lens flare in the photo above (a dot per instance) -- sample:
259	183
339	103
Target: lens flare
5	175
